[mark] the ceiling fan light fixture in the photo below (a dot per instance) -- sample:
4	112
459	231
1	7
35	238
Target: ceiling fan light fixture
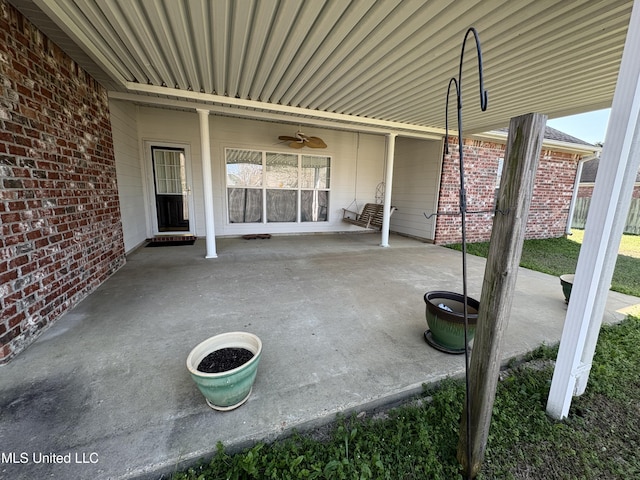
301	140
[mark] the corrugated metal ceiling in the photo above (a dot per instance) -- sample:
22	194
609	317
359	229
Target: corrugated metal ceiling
383	60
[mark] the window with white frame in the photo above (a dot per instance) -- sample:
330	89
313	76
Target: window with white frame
268	187
496	193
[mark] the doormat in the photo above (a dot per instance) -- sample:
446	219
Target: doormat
169	243
254	236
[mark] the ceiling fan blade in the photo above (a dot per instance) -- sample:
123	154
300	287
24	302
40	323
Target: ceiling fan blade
316	142
288	139
296	144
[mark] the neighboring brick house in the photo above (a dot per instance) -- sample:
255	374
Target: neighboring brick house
67	215
59	211
585	191
483	159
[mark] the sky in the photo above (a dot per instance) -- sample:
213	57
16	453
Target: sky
590	127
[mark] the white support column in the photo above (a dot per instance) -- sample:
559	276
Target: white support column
388	182
610	203
205	151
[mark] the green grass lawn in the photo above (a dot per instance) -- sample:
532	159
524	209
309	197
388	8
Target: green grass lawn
557	256
599	440
629	245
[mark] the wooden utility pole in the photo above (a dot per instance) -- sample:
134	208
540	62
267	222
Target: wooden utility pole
507	236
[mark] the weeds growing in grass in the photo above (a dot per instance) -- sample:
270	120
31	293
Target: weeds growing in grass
600	439
419	441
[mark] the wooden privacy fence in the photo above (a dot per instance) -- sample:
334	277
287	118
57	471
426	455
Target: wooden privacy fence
632	224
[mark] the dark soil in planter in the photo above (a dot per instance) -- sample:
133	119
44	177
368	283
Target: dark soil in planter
224	359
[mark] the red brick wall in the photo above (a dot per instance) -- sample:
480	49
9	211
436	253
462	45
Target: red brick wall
59	212
549	205
586	190
552	194
481	169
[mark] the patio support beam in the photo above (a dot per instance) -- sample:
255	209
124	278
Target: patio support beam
388	181
205	152
610	203
151	93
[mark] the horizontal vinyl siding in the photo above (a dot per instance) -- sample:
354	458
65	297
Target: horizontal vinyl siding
160	126
357	167
415	186
357	164
129	173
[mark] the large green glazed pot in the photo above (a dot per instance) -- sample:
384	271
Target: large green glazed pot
446	328
226	390
566	281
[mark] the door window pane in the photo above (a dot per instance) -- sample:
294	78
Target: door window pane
171	193
169	171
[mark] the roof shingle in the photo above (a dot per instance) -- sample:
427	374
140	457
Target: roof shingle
557	135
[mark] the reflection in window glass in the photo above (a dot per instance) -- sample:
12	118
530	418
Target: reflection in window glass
496	194
245	205
282	205
282	170
169	168
315	172
244	168
276	187
314	205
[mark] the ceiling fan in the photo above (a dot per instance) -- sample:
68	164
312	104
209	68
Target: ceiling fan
301	140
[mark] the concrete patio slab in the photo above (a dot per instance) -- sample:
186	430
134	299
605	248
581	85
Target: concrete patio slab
104	393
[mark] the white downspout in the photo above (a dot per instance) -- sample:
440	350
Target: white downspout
205	151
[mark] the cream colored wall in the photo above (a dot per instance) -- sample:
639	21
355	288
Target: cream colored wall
161	127
367	179
416	179
357	164
128	173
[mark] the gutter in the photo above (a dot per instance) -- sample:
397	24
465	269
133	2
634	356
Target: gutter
547	144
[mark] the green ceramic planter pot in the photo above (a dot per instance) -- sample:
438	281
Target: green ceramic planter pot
567	282
445	318
230	389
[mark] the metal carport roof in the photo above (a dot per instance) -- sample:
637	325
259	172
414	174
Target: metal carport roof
381	63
